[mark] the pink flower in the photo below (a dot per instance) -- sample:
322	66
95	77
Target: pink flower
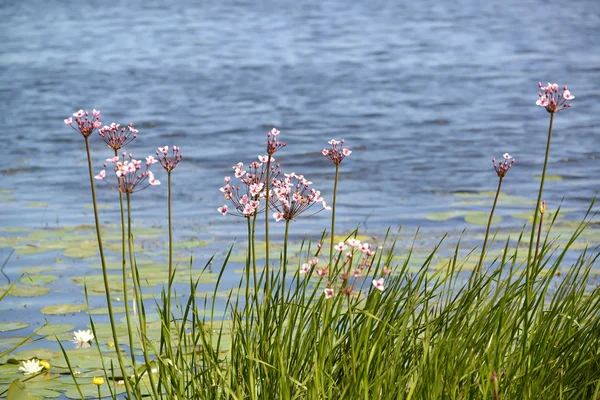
340	246
169	163
151	180
272	144
130	177
328	293
278	216
151	160
551	99
378	283
274	132
223	210
116	137
101	175
502	167
336	154
305	268
85	125
96	113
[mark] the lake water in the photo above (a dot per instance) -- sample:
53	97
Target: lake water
424	93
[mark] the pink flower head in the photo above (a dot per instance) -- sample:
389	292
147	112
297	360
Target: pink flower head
272	144
386	270
340	246
117	137
329	292
130	176
503	166
101	175
223	210
85	125
552	99
293	196
151	160
169	163
378	283
305	268
337	152
278	216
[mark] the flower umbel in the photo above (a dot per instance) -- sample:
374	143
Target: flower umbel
30	367
272	144
130	177
336	154
169	163
82	338
551	99
116	136
293	196
85	125
503	166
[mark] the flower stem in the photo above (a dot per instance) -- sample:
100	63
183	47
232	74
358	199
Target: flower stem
487	234
537	245
124	271
104	269
539	199
285	258
138	295
267	271
337	170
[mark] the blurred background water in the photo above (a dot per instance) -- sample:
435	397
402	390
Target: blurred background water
424	93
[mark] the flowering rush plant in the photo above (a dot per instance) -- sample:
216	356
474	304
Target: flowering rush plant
85	124
169	163
292	196
246	198
117	137
552	99
503	166
130	177
337	152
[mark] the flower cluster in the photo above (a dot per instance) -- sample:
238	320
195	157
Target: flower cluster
130	178
82	338
85	125
503	166
336	154
169	163
117	137
292	196
272	144
247	201
551	99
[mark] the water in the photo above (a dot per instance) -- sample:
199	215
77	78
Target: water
424	93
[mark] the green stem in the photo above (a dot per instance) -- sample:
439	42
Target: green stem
539	199
138	295
537	245
337	170
99	394
168	313
285	258
105	271
487	233
124	270
267	271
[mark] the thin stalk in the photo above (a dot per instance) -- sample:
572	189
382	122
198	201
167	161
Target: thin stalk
113	325
267	271
99	394
539	199
168	311
537	245
487	232
124	270
285	258
138	294
337	170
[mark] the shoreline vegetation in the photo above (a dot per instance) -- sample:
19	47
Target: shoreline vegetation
345	320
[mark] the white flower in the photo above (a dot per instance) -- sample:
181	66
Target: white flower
83	338
31	367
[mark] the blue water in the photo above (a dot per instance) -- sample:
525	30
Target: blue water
424	93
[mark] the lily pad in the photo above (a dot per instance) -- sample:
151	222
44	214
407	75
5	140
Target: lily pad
12	326
104	310
52	329
550	177
38	279
60	309
24	291
445	216
481	218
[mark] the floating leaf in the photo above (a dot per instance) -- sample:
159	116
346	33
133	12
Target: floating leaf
12	326
24	291
18	391
59	309
52	329
38	279
9	342
550	177
104	310
445	216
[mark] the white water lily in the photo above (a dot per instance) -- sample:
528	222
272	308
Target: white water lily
31	367
83	338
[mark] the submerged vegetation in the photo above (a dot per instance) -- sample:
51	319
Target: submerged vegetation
339	317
